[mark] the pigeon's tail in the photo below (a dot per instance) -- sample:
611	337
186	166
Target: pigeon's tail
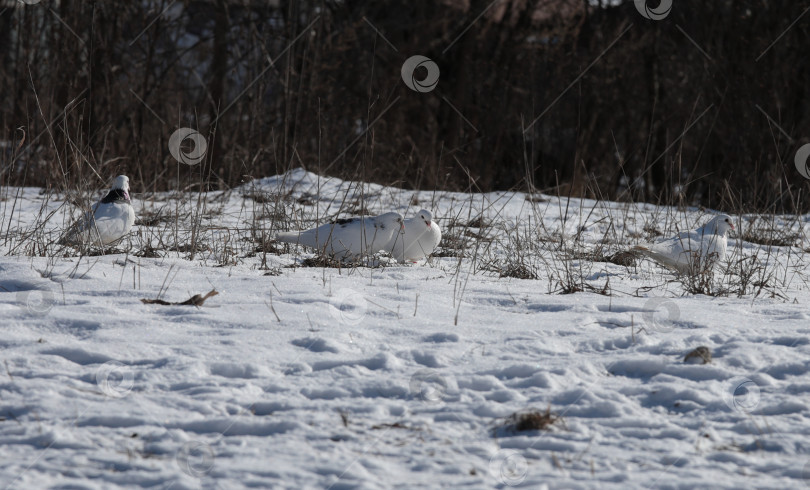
662	259
72	236
646	251
289	237
81	236
306	238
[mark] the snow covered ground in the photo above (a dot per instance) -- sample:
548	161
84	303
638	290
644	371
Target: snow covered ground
396	376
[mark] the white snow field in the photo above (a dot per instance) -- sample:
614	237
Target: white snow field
397	376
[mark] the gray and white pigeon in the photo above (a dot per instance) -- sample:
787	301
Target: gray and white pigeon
349	238
419	238
109	220
692	251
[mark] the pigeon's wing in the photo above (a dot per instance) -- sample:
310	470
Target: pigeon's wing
685	251
112	221
365	236
105	224
712	249
702	248
349	237
381	236
343	238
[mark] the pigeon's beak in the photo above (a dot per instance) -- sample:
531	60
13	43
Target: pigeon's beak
427	223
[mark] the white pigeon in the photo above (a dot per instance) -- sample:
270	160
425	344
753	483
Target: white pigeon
690	251
349	238
419	238
109	220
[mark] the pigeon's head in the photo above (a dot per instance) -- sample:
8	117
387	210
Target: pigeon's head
122	182
425	216
722	224
119	191
394	220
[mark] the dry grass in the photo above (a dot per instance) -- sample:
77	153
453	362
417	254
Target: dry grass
769	235
572	246
528	420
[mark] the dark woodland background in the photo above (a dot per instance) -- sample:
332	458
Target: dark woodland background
707	106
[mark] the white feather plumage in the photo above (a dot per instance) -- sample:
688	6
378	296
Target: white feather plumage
419	238
109	220
349	238
692	250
